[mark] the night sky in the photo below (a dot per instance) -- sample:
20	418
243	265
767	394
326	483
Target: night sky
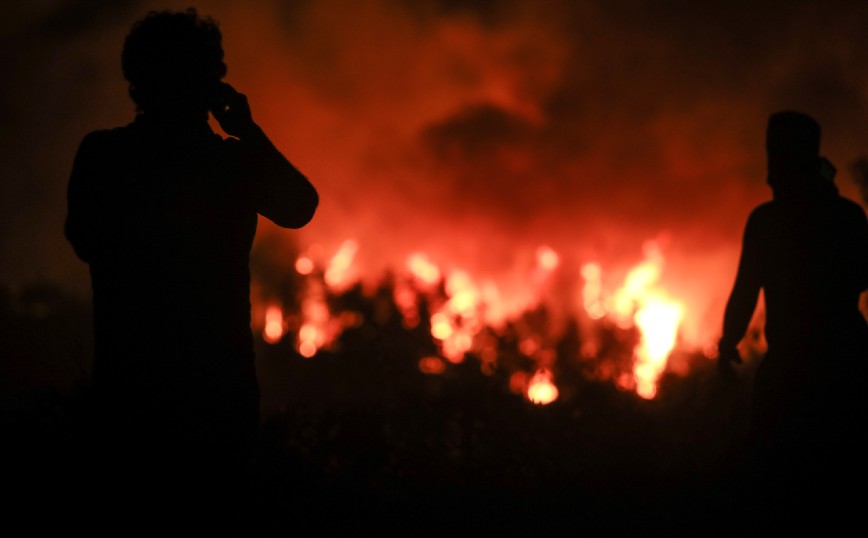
474	131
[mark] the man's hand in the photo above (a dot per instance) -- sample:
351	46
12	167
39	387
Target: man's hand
727	358
232	112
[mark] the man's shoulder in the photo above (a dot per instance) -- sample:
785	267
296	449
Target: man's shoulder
106	137
763	211
849	207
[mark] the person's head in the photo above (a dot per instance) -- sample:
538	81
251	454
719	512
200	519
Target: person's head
172	61
792	149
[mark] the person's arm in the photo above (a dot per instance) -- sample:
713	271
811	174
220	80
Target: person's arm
744	295
861	237
280	192
81	226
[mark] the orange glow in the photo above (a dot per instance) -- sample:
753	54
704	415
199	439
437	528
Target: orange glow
463	341
488	355
274	325
528	346
547	258
434	139
441	327
318	328
307	332
425	272
307	349
304	265
310	339
407	302
710	351
453	164
541	390
432	365
457	346
464	296
592	291
625	381
518	382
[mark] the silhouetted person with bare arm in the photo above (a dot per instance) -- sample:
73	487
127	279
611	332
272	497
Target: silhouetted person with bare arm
164	211
807	250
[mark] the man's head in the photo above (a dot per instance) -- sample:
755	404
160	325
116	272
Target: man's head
792	148
173	61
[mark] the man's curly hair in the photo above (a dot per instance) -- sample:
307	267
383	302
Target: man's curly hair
172	59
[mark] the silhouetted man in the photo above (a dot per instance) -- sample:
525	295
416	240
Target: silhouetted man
164	211
807	250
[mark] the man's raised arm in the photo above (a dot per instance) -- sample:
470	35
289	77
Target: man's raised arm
280	192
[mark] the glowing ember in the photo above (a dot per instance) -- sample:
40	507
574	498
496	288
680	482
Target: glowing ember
541	390
307	349
528	346
274	326
626	381
547	258
304	265
432	365
441	327
518	382
455	347
407	301
316	319
309	340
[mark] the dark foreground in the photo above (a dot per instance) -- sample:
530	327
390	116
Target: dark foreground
353	441
359	439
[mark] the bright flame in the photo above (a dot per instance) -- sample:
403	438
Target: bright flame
464	296
274	326
541	390
425	272
339	276
468	316
441	326
640	303
658	320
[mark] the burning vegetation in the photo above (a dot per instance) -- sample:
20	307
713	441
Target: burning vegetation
627	335
436	392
